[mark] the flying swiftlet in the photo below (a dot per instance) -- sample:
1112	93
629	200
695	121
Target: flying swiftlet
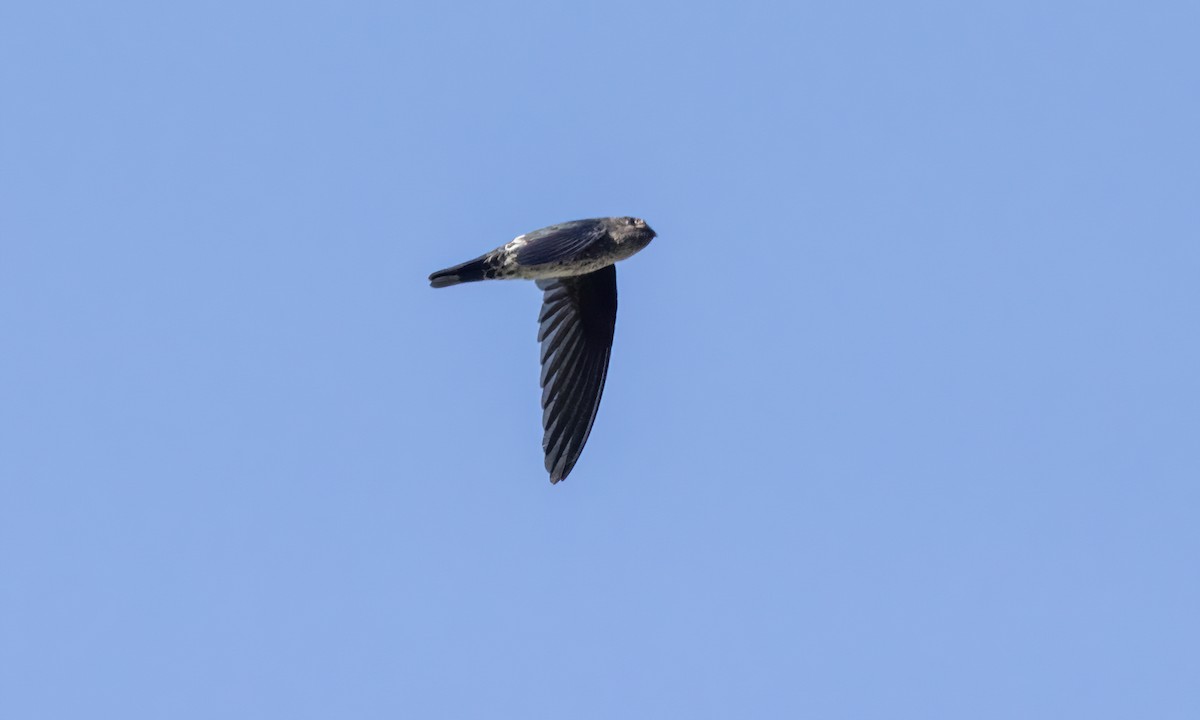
573	264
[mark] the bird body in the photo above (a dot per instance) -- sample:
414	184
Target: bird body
572	248
573	265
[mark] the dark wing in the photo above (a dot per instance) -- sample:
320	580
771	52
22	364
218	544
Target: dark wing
578	317
560	242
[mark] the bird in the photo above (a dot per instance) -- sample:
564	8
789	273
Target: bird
572	264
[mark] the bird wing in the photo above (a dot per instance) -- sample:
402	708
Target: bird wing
578	317
560	242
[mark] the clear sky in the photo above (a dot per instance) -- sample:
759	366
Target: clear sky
902	421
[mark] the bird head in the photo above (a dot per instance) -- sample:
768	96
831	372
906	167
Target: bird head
634	228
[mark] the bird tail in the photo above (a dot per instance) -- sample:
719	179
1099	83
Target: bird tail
470	271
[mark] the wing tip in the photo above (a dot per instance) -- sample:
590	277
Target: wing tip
559	468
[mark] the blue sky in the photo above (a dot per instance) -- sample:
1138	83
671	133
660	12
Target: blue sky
903	411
